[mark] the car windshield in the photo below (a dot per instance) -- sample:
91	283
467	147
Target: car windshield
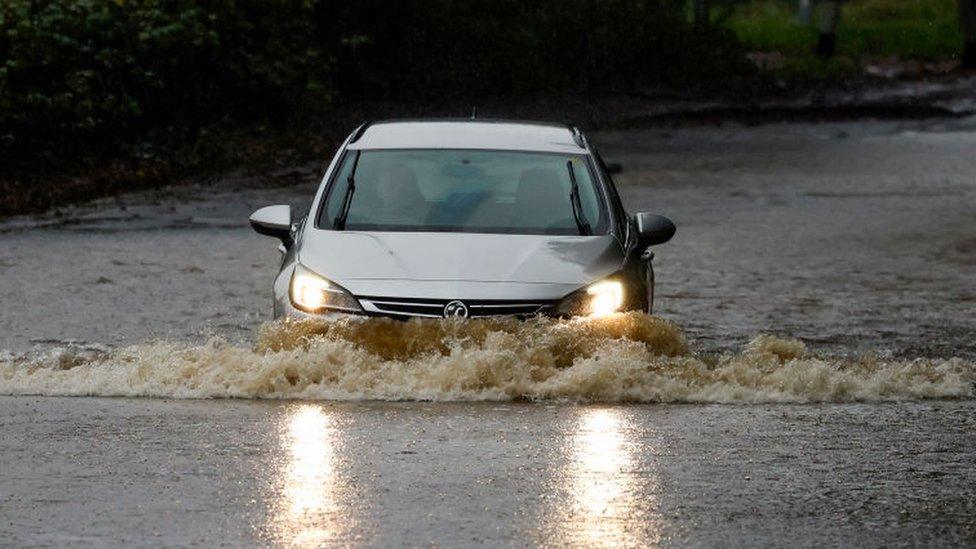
468	191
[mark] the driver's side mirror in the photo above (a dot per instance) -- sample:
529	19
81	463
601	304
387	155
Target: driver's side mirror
273	221
653	229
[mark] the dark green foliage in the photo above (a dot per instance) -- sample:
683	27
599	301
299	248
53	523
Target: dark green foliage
89	78
84	75
454	47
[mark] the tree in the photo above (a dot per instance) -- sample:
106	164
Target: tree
967	19
700	9
829	19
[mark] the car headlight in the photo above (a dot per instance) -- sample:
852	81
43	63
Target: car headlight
313	294
598	299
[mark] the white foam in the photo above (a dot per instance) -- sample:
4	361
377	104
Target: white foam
625	358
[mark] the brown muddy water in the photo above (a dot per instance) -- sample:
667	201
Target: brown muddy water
809	379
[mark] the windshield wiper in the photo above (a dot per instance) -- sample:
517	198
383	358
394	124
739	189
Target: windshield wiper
574	197
340	221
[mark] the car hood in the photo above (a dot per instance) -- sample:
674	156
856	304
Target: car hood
482	266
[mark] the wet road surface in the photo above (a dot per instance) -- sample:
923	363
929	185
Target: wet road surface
153	472
857	239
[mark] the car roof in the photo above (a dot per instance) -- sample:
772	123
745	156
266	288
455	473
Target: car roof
469	134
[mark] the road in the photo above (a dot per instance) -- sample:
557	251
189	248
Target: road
811	382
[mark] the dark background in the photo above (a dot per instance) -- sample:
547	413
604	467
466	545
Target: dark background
98	97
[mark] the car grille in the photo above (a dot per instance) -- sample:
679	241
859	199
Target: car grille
434	308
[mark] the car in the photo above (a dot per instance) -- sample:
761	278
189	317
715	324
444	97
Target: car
464	218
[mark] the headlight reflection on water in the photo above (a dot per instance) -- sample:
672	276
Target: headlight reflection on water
606	494
612	503
309	511
310	463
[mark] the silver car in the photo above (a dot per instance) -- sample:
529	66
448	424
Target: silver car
464	218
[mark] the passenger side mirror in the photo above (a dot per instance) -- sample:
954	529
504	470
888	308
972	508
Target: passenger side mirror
653	229
273	221
614	168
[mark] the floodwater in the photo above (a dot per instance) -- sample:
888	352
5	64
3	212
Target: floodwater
809	380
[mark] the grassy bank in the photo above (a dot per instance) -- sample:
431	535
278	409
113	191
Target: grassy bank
870	30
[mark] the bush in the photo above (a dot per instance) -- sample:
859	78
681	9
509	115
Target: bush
89	74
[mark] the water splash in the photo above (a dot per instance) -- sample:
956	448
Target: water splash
623	358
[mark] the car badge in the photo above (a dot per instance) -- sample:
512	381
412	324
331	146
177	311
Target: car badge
455	309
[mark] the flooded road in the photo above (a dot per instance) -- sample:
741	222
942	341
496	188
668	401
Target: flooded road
832	264
157	472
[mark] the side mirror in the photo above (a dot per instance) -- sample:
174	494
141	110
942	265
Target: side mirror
614	168
653	229
273	221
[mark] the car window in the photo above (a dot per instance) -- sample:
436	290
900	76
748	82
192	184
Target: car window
465	191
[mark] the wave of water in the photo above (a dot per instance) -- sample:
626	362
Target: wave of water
623	358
